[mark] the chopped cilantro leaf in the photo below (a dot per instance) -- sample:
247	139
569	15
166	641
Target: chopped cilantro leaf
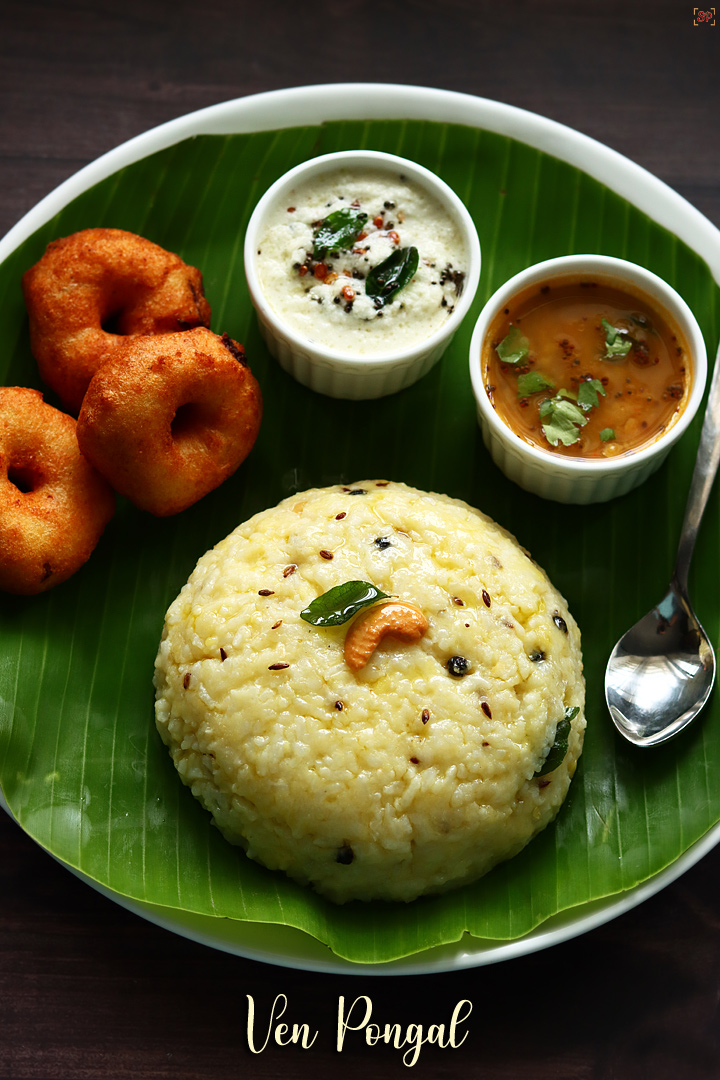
617	342
514	347
532	382
561	420
587	396
607	434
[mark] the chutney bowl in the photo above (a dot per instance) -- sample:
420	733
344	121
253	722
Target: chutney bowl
330	370
577	480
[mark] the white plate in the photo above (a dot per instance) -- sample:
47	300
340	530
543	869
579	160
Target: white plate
313	104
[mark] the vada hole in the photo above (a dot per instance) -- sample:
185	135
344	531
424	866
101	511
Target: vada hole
25	478
188	421
111	323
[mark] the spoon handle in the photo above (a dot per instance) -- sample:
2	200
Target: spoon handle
706	465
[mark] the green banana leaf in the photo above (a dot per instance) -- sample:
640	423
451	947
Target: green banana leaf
81	765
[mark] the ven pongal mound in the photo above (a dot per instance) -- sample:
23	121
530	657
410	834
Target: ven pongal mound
373	689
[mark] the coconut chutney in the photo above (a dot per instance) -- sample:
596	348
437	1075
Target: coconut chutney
371	219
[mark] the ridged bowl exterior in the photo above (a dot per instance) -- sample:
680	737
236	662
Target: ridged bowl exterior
352	380
580	488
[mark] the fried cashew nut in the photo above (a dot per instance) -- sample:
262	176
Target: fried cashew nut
396	618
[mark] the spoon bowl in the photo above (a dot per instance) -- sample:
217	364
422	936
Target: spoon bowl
661	672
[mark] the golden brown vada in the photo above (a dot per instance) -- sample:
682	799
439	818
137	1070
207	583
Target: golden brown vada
53	504
168	418
91	290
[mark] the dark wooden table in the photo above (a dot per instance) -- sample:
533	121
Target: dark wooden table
88	990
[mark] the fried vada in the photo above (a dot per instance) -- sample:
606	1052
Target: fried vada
92	290
53	505
169	417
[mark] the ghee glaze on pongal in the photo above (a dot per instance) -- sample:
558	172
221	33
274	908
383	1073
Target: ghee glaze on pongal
440	754
362	261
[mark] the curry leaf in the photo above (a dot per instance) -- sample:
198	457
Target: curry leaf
559	748
338	231
386	279
341	603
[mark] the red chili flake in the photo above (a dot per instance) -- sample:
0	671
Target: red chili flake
326	554
279	666
458	601
223	654
378	222
425	716
340	516
186	680
486	709
543	783
320	271
361	236
486	598
289	570
392	235
415	761
276	624
339	706
348	292
266	592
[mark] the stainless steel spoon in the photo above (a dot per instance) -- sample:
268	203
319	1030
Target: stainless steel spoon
662	670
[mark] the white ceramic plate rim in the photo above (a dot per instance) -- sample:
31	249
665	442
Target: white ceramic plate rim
295	106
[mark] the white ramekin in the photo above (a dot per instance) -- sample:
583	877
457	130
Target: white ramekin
341	374
573	480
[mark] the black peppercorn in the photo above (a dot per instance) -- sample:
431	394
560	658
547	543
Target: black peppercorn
458	666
